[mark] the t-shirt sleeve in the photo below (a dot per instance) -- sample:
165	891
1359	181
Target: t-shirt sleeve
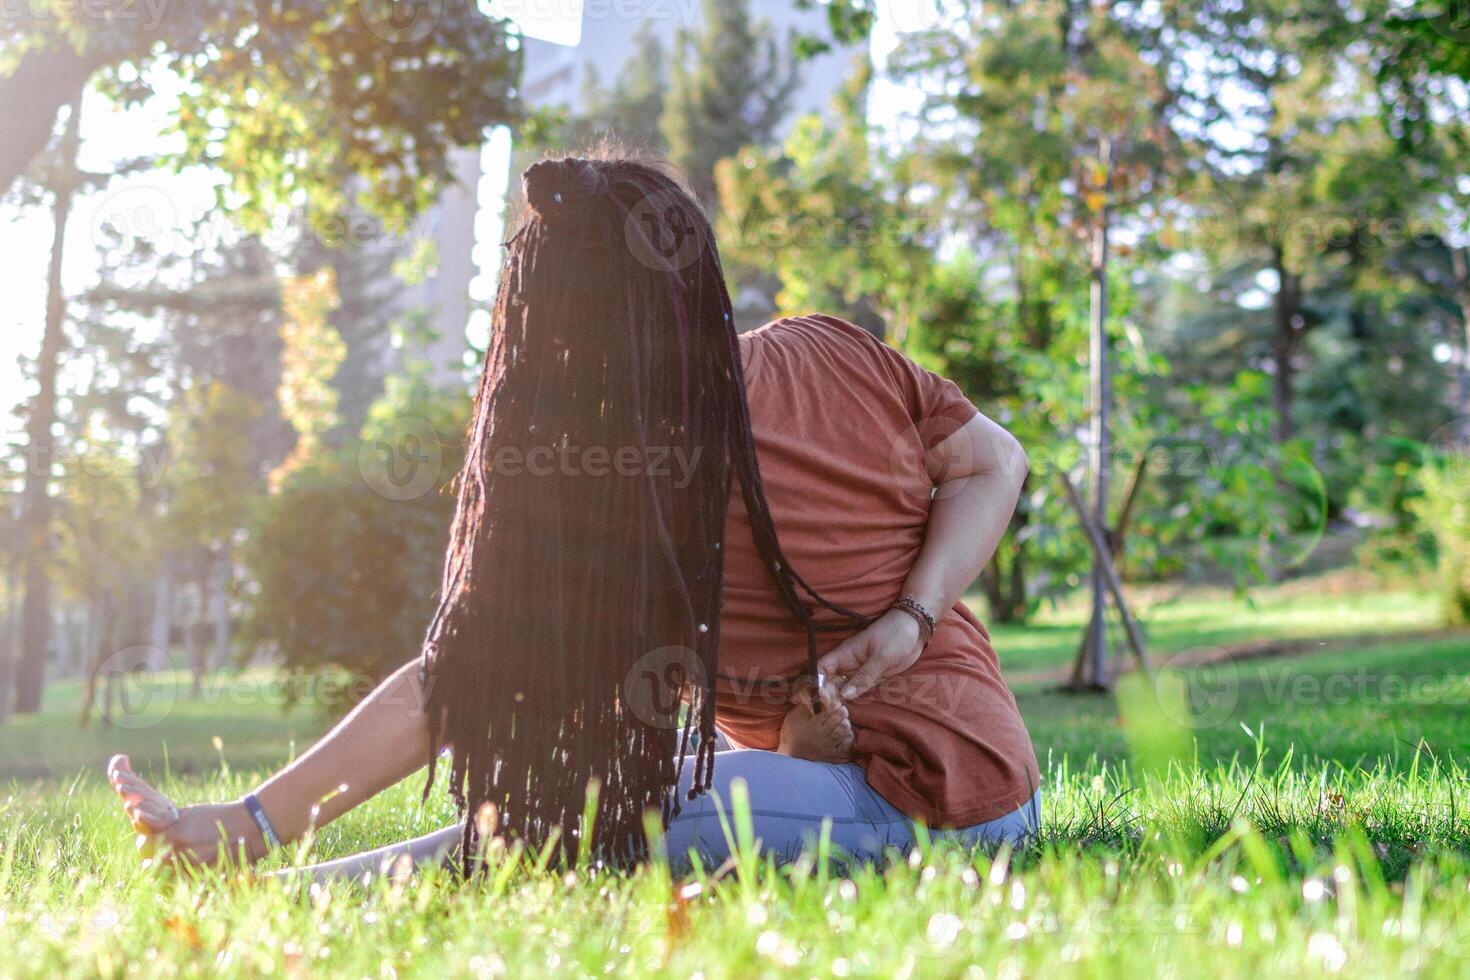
936	405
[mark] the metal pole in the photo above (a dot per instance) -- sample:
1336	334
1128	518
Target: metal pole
1101	449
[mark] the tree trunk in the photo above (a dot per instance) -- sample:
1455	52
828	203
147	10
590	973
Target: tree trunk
990	584
65	637
10	646
199	627
100	664
1285	344
100	621
1360	323
160	628
1004	579
36	497
1016	612
1460	260
71	641
45	80
219	603
124	652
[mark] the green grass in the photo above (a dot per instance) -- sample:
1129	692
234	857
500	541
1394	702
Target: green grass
1324	606
163	724
1353	708
1300	815
1229	872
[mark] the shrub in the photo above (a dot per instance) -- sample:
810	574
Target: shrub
345	557
1445	510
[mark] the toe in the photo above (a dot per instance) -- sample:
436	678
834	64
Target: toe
828	696
836	719
137	792
132	788
116	767
151	817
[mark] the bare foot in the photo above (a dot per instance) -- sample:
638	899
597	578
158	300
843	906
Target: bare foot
825	736
148	810
204	834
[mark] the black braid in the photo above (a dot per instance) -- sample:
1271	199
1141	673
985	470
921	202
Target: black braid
557	587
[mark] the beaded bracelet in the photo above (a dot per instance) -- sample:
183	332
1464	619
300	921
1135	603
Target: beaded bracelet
912	606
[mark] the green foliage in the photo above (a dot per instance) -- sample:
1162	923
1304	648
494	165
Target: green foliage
312	351
1036	136
631	108
1416	46
211	479
730	87
848	22
106	540
826	211
1445	510
1312	232
301	103
345	556
1219	494
1390	493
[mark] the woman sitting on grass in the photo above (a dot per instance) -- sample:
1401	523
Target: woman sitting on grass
615	555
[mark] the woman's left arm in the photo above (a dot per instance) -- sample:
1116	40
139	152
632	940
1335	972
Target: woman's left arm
978	472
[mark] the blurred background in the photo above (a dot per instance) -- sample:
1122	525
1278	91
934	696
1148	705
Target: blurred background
250	249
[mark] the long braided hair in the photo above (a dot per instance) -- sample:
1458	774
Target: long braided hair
578	548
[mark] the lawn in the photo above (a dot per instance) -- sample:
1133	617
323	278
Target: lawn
1335	604
1305	814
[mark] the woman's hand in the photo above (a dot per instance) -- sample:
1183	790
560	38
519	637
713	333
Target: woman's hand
203	834
889	646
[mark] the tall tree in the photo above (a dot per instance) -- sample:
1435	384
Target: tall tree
13	551
342	554
1019	100
1316	204
312	352
629	109
103	557
36	510
364	271
210	484
198	398
731	86
829	212
381	91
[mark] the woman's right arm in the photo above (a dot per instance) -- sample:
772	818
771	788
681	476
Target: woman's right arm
380	742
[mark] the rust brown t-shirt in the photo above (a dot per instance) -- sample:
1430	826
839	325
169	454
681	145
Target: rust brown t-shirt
842	422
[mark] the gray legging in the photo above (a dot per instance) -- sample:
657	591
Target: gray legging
789	800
